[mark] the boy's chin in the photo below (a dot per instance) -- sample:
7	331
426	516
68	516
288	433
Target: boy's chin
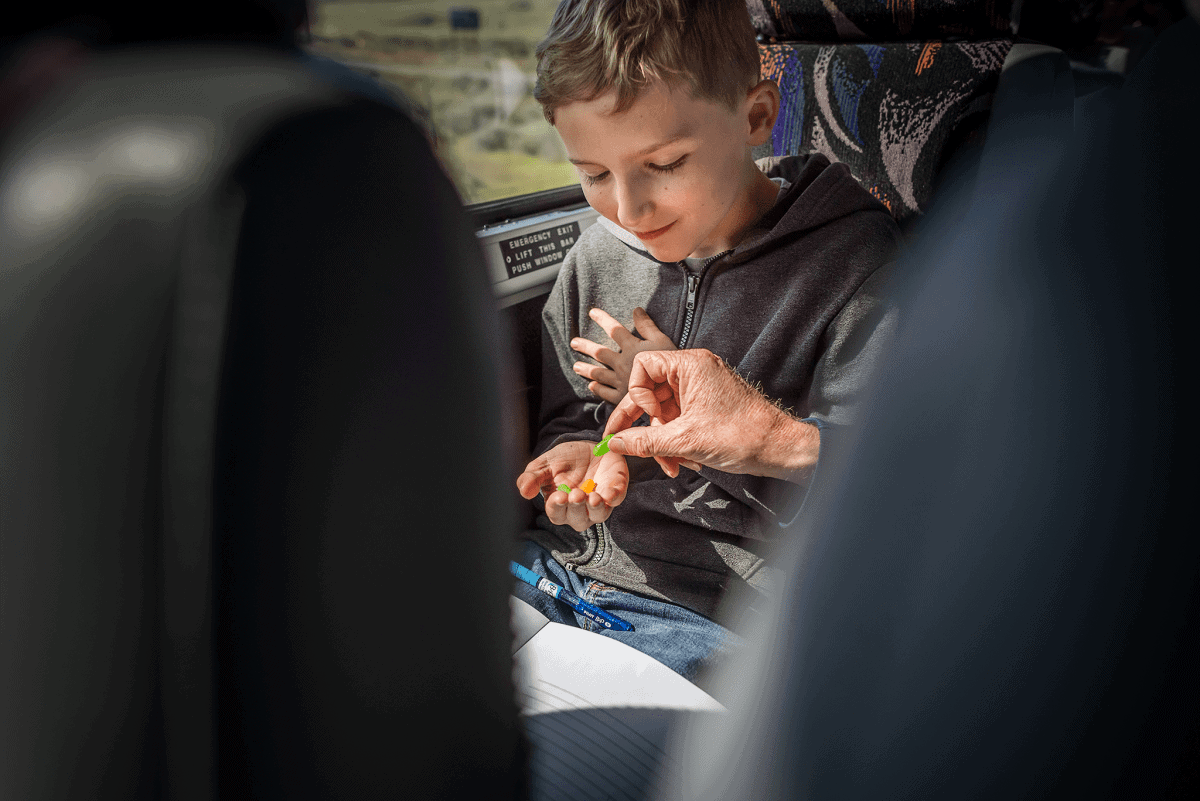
665	252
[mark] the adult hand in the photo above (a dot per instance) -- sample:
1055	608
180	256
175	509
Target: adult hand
703	413
610	379
572	463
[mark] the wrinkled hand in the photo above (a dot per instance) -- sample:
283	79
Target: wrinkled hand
610	379
572	463
703	413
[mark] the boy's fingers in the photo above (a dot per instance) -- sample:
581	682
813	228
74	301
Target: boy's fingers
537	474
598	352
557	466
593	372
613	493
616	332
650	332
528	485
544	467
598	513
556	508
662	342
578	512
605	392
612	477
567	515
568	508
645	326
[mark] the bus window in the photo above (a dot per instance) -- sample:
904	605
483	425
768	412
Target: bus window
468	69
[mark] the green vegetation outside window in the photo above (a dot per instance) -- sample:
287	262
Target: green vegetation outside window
468	69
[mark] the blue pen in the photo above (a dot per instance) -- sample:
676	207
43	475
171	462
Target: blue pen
593	613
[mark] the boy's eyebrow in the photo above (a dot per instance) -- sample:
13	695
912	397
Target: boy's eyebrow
662	144
643	152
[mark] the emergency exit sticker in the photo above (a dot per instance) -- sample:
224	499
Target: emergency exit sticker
538	249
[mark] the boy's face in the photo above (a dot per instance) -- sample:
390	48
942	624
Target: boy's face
673	170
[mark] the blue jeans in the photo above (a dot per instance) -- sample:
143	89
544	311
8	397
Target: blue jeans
682	640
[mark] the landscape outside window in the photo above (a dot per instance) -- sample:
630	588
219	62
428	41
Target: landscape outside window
468	71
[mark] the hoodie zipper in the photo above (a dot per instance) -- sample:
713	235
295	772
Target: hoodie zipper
693	283
689	296
571	566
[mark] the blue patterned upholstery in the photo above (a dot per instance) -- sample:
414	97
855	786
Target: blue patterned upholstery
891	112
891	88
881	20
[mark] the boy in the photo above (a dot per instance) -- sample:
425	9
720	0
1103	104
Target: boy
659	104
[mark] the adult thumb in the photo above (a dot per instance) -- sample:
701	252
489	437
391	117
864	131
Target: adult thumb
651	440
648	441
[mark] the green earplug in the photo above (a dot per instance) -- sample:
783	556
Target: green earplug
564	488
602	448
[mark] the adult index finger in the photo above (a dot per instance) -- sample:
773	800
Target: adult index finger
649	392
622	417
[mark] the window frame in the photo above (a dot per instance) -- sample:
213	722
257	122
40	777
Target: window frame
492	212
512	218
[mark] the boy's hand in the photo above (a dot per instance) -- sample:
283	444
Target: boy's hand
572	463
610	379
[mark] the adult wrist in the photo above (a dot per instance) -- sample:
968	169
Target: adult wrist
792	449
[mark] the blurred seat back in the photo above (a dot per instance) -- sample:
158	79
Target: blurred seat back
970	612
231	427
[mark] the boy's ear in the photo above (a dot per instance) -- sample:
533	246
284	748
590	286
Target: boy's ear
762	103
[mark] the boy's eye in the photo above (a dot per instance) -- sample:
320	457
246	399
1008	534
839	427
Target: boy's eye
594	179
674	165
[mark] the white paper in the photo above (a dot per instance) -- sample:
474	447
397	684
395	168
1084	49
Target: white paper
563	667
598	714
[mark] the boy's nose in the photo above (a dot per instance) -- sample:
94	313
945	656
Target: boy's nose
634	205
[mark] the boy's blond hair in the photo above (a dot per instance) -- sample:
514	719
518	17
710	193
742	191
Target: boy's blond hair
594	46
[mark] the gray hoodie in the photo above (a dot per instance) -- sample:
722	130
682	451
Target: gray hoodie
798	307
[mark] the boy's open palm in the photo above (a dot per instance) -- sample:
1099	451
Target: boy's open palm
610	379
572	463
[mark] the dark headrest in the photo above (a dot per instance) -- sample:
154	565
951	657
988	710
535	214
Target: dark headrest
883	20
891	112
102	24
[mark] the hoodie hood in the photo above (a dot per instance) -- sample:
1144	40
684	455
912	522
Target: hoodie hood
820	193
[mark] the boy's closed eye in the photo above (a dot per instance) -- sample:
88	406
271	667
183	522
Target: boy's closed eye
674	165
592	180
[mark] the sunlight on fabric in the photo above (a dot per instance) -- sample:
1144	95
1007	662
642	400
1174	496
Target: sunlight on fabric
135	158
